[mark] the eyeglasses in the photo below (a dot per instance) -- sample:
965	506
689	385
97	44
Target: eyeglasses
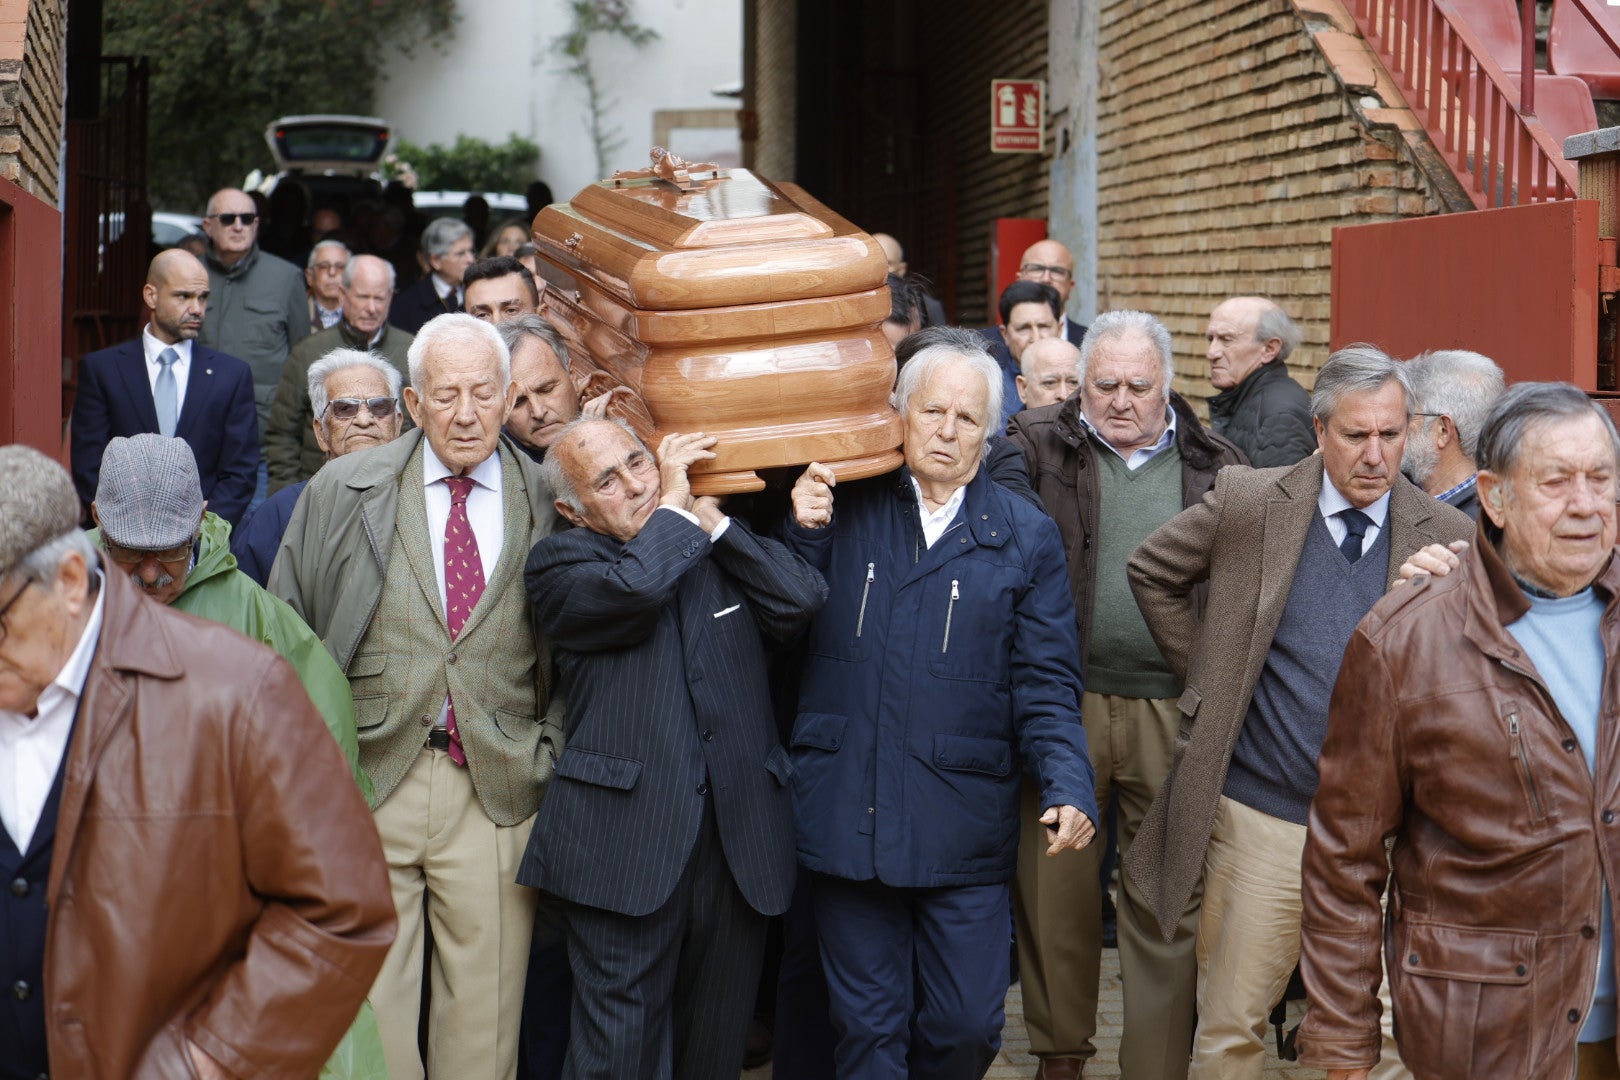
347	408
1035	270
134	557
7	606
232	219
326	267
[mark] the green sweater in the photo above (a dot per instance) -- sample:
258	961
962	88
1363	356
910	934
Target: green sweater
1123	659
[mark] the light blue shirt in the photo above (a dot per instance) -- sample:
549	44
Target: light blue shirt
1561	636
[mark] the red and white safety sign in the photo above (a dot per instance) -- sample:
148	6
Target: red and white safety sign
1017	116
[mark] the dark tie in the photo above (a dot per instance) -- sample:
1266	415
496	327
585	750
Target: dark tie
1355	527
463	582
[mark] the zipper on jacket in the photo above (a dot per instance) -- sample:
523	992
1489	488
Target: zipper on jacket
1517	745
866	590
949	609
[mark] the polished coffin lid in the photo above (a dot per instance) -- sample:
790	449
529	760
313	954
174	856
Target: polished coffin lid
740	307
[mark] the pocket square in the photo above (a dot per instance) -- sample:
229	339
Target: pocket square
727	611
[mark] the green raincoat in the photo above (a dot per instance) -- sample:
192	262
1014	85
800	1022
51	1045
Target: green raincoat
216	590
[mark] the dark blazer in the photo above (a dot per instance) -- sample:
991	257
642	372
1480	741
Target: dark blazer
417	304
659	654
217	419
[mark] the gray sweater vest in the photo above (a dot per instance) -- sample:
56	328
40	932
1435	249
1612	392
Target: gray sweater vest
1273	765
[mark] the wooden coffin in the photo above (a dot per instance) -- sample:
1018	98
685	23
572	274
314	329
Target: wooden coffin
740	308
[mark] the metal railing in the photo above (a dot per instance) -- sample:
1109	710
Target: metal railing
1483	125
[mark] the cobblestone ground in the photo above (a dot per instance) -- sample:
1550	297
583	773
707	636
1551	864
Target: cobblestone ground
1015	1062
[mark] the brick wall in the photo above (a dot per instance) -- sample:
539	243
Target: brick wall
33	37
1227	152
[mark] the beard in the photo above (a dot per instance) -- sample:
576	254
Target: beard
1420	458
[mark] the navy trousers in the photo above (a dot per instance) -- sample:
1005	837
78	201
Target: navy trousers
915	977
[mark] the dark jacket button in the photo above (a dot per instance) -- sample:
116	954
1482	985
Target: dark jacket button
1569	745
703	788
19	887
708	736
22	990
1608	817
1588	933
1521	970
1574	1016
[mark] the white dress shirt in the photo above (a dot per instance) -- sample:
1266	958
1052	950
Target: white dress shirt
446	290
1330	502
182	367
31	748
1142	455
485	514
936	522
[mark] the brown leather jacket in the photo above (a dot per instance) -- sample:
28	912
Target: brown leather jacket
1443	737
1058	449
217	877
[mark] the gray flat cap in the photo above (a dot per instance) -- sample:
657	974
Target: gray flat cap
37	503
149	497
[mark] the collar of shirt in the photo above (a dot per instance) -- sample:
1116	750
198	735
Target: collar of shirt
445	289
153	348
1331	501
1447	496
486	474
934	523
1142	454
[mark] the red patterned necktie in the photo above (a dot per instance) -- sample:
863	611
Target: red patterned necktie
463	582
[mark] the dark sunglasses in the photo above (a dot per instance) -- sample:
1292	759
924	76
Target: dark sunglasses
347	408
232	219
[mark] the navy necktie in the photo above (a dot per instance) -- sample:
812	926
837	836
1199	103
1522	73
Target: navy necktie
1356	525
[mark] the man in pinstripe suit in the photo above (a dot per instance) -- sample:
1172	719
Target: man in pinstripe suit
666	832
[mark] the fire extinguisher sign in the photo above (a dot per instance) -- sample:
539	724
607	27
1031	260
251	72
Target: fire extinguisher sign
1017	116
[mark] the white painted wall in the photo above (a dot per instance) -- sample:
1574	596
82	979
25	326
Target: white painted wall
498	75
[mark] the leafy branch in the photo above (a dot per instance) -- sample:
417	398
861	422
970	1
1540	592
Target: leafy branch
589	19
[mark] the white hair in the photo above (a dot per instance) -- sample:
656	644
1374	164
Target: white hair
922	366
315	252
41	564
1116	324
456	330
341	360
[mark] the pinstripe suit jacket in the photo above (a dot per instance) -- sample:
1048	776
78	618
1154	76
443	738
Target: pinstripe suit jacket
659	653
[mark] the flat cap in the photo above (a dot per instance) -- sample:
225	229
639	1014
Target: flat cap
37	503
149	497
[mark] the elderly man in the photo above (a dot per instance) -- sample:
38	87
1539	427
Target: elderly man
547	399
673	760
944	665
1262	410
258	308
1454	390
354	401
167	383
1030	311
323	274
1472	726
1049	371
447	245
1112	465
292	442
1292	559
217	903
500	289
406	561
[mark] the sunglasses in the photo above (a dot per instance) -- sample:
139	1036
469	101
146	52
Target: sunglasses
232	219
347	408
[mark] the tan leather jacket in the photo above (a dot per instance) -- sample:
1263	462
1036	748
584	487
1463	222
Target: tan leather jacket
1443	737
217	877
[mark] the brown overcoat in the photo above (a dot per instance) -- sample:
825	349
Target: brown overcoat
1244	539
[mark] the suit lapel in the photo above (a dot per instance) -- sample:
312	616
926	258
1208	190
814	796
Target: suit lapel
1409	514
137	387
1288	519
412	528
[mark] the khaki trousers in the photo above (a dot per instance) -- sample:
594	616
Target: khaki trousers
449	863
1058	905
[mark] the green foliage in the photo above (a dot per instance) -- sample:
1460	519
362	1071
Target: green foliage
472	164
224	69
588	19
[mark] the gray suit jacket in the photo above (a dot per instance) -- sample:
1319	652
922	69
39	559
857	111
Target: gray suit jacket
1245	540
330	568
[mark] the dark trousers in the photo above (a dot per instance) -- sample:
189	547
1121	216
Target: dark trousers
668	994
803	1045
548	996
915	977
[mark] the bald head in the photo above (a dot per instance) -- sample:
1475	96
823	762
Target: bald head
1051	262
176	295
893	252
1245	333
232	224
1050	372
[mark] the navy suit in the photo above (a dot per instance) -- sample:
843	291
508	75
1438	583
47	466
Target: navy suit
666	829
415	305
217	419
1073	331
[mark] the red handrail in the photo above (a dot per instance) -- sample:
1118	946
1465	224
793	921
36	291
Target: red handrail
1500	150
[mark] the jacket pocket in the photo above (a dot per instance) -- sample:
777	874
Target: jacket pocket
818	731
779	765
370	710
1519	756
365	665
967	753
1463	999
512	724
603	770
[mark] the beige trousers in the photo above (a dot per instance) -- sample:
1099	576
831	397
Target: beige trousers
1057	904
450	864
